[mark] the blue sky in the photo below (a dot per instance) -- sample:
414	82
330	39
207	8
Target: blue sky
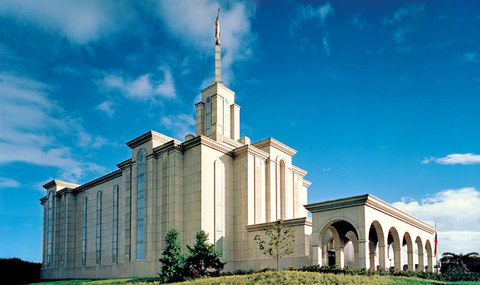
377	97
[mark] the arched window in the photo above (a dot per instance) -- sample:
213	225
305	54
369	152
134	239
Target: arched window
115	225
98	248
208	115
84	230
140	204
49	228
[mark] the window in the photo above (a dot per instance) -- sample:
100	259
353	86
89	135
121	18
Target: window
84	230
209	115
115	225
49	228
140	204
98	249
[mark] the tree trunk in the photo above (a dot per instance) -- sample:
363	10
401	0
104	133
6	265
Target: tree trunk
277	262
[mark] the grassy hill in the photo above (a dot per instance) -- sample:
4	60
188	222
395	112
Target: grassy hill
281	277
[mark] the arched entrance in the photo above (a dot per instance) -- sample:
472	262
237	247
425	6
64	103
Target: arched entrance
407	242
376	240
428	249
333	238
420	264
395	248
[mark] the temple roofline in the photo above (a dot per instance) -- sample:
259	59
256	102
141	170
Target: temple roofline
372	202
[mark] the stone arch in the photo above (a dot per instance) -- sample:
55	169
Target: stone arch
376	239
420	250
394	239
342	231
407	240
428	248
352	237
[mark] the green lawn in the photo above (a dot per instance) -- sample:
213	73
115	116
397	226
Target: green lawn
282	277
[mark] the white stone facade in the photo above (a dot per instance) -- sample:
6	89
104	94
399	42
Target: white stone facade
232	189
215	181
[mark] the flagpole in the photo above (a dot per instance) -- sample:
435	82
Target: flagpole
436	248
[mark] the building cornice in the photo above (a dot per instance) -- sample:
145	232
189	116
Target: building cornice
61	184
304	221
206	141
98	181
173	144
151	135
124	164
371	202
299	171
306	183
250	149
271	142
382	206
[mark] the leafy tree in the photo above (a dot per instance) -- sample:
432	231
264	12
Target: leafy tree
203	258
279	241
452	261
173	258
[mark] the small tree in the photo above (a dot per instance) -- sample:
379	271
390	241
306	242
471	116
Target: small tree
173	258
203	258
281	241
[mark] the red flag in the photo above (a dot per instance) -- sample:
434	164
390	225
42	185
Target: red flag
436	241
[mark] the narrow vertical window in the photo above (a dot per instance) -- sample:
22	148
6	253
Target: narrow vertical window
84	231
98	249
283	192
140	204
208	115
49	228
115	225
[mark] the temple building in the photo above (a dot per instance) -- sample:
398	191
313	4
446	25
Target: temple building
226	185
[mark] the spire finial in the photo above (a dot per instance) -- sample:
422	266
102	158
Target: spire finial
217	29
218	55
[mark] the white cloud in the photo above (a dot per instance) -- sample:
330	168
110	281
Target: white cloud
107	108
454	158
470	57
358	22
193	24
31	124
308	14
403	22
457	215
144	87
8	183
81	21
406	12
326	46
181	125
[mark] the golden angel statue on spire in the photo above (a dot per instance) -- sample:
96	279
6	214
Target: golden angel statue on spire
217	29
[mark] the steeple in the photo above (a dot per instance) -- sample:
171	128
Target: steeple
218	117
218	53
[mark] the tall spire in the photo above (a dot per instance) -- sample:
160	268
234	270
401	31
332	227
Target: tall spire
218	54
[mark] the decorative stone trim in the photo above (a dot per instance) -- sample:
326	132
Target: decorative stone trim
98	181
275	144
60	183
151	135
206	141
306	183
124	164
305	221
374	203
173	144
299	171
250	149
